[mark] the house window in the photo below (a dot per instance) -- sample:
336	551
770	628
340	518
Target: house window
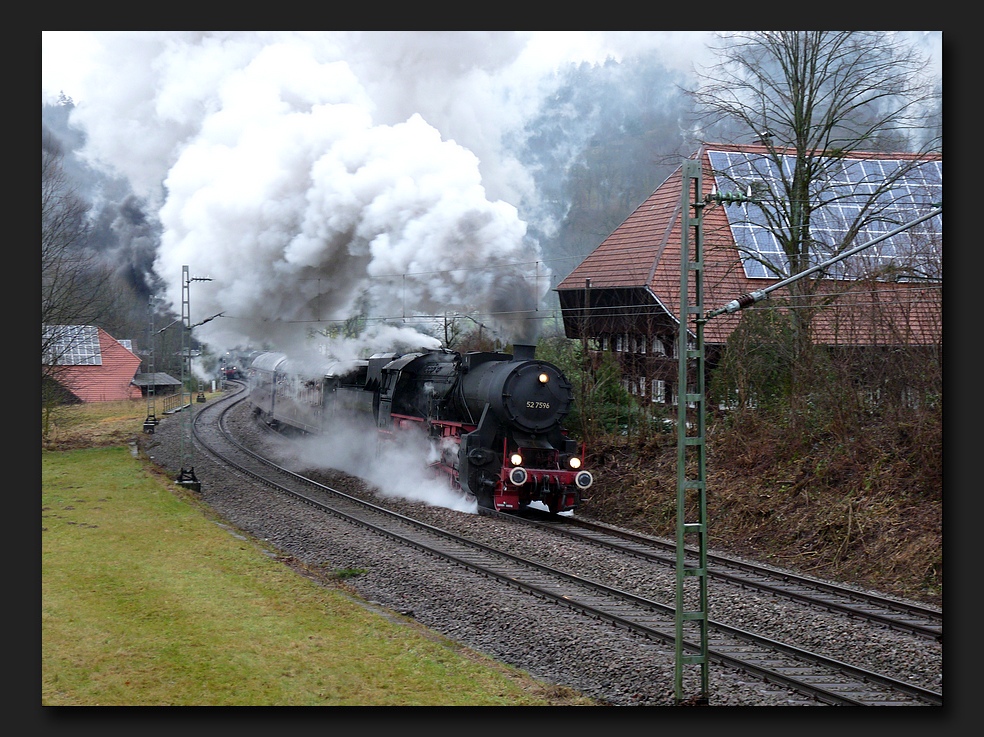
691	344
604	342
676	399
618	343
642	344
659	391
642	386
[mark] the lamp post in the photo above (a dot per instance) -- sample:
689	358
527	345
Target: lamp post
186	476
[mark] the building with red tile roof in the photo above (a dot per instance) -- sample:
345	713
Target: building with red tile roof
625	295
90	364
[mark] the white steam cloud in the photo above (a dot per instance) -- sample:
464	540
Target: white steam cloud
394	467
313	176
301	174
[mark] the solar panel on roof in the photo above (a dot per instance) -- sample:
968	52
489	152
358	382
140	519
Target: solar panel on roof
72	345
878	194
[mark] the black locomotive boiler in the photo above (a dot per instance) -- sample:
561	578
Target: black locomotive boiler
494	420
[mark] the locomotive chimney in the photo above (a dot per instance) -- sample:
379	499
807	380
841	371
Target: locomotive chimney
523	351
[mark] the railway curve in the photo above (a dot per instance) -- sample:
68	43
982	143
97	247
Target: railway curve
724	651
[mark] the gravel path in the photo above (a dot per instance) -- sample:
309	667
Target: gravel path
553	644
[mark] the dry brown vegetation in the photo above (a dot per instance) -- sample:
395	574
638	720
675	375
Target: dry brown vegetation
97	424
869	511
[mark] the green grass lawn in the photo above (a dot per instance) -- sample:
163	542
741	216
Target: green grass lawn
147	601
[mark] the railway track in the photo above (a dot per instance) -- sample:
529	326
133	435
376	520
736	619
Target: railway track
816	677
860	605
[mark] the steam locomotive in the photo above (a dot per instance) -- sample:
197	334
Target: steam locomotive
493	419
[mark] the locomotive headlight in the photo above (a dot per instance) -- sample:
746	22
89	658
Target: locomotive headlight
516	459
543	377
574	462
518	476
583	479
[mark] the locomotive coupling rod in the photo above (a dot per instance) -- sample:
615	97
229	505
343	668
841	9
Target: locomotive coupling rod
746	300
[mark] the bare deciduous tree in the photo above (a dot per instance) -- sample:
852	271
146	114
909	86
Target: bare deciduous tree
809	97
72	281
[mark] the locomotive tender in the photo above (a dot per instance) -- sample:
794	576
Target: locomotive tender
493	419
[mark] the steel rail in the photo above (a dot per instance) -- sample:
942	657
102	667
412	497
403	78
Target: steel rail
902	616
